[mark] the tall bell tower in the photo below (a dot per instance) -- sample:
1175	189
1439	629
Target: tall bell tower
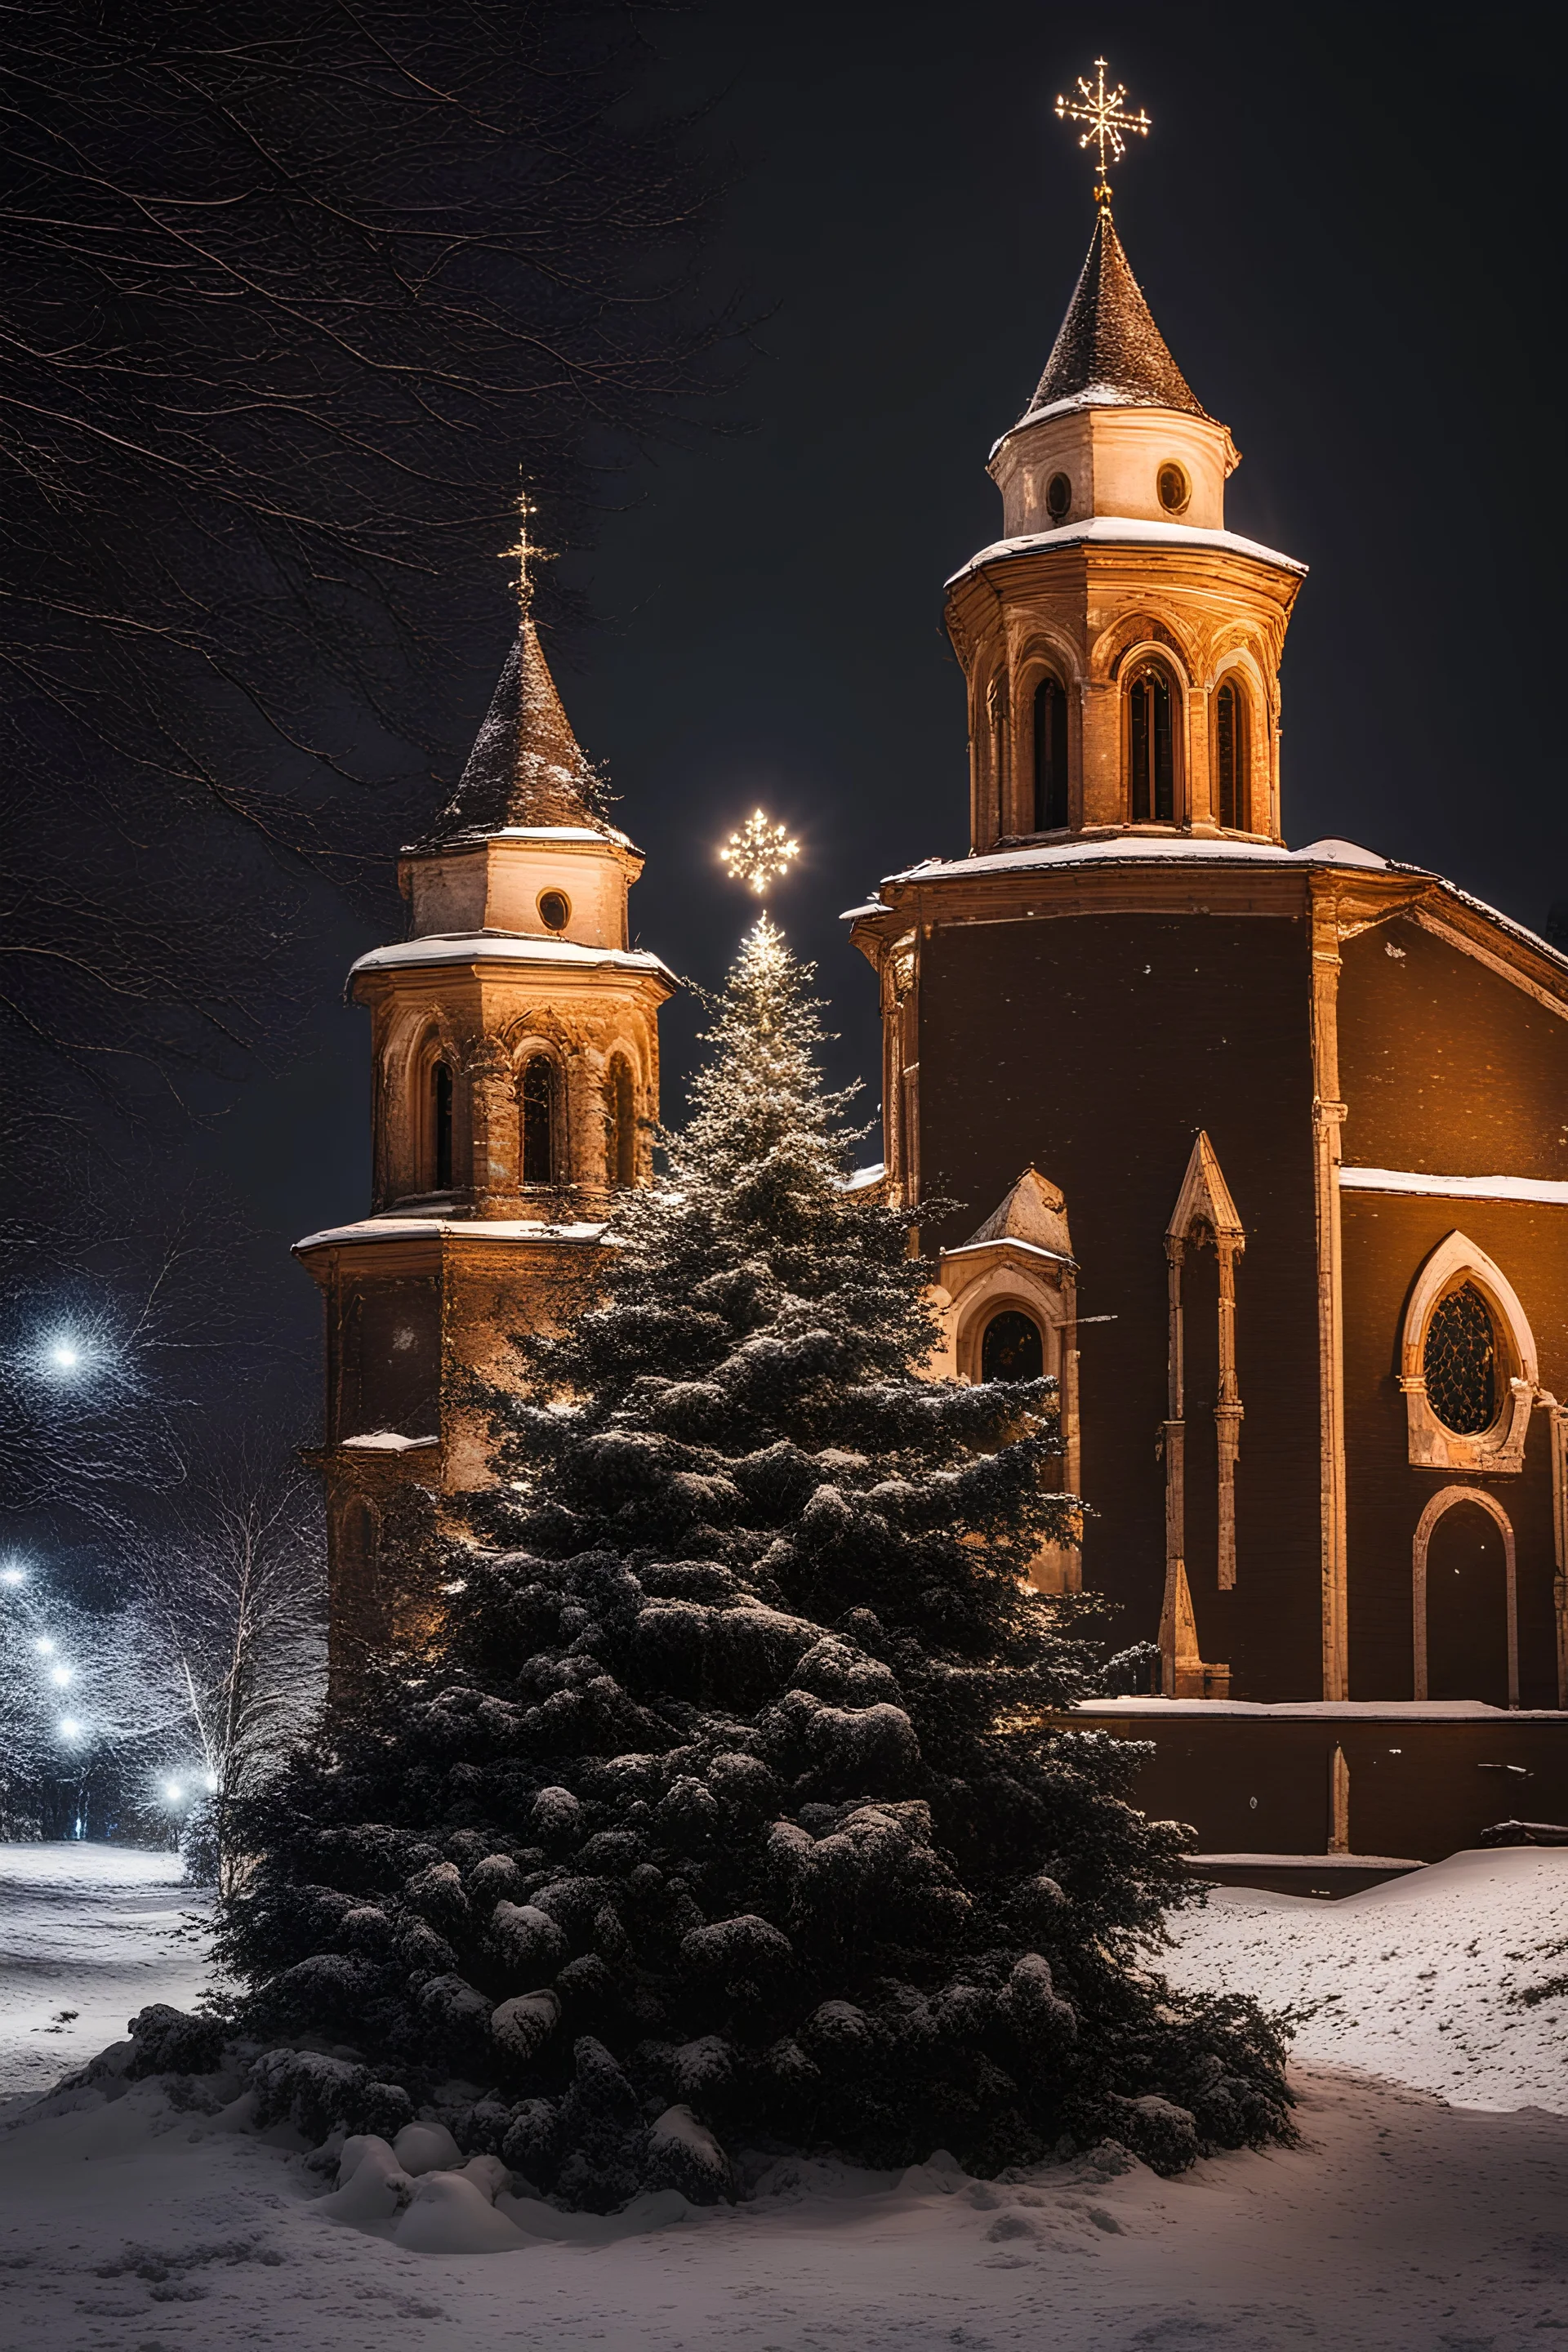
514	1041
1121	647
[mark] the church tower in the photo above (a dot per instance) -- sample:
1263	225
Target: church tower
1122	647
514	1040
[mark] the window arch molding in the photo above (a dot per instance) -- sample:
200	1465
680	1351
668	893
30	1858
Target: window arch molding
539	1079
1008	1289
1456	1262
1438	1507
1153	693
432	1158
1253	796
1045	785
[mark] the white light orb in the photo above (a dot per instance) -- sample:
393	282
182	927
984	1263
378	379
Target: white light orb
64	1357
44	1647
12	1575
173	1790
69	1727
60	1676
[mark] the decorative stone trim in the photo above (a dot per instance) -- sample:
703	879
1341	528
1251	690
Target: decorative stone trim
1442	1501
1432	1447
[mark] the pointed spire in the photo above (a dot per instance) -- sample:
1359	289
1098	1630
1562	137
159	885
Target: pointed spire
1108	347
526	767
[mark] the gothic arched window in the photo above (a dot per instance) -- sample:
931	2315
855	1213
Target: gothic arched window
1012	1347
1460	1362
1232	796
1154	705
538	1100
440	1168
621	1129
1050	755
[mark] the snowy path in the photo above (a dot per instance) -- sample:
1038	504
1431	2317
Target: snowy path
98	1929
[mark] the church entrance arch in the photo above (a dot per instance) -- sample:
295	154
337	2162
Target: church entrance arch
1464	1598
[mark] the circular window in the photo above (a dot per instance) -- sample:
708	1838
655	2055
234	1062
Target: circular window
1174	488
1058	497
554	909
1460	1363
1011	1348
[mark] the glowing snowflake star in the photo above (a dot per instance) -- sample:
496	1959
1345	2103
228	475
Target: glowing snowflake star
758	853
1105	120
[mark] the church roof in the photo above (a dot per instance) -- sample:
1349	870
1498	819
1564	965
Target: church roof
1108	346
527	768
1033	1211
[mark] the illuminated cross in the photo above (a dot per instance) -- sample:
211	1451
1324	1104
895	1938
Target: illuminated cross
526	554
758	853
1106	120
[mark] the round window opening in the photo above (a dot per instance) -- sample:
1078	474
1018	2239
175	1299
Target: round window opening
1058	497
1174	488
1460	1363
1011	1348
554	909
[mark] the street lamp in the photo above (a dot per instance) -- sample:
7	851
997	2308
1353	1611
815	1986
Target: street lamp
69	1728
12	1573
60	1676
44	1647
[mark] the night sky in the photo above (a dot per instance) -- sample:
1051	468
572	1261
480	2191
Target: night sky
1355	260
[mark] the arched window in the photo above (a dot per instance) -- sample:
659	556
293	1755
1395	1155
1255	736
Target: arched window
998	730
1460	1363
1011	1348
1232	797
538	1094
440	1160
621	1130
1050	755
1152	711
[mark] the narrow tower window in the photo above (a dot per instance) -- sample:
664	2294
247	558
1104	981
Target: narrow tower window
538	1120
441	1127
1151	747
1011	1348
1050	755
1230	757
621	1142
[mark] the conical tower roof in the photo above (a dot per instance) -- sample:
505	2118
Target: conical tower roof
1108	347
527	767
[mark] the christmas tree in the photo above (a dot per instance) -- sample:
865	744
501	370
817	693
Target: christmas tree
735	1814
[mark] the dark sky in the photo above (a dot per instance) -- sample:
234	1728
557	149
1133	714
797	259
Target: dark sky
1349	229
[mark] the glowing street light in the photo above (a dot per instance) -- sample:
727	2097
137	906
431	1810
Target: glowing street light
44	1647
69	1727
12	1573
60	1676
175	1793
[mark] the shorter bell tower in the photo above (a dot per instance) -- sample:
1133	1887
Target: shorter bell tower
514	1039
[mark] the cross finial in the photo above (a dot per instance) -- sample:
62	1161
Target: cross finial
1107	122
525	554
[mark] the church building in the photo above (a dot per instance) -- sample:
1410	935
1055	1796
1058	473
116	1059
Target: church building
1264	1152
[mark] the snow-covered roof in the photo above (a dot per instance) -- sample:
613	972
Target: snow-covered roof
1135	849
474	1229
599	836
1550	1190
1108	343
526	767
1390	1710
508	946
860	1178
1129	531
387	1440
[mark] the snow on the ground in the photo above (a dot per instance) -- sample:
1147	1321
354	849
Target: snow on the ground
1435	1981
1401	2223
89	1934
1398	2225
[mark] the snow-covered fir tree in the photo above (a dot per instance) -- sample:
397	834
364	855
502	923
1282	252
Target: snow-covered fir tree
732	1814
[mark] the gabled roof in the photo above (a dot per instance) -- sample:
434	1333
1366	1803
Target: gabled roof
1108	346
527	768
1033	1211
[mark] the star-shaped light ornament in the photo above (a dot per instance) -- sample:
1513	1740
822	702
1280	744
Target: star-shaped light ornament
1107	124
758	853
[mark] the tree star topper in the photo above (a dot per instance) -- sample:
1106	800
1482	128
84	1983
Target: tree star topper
1107	121
526	554
758	853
